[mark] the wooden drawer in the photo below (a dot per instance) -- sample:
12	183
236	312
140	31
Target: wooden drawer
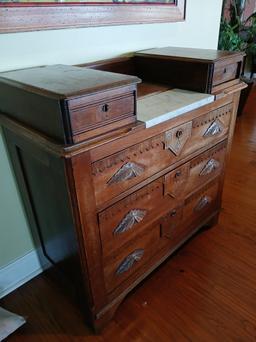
179	223
100	109
206	167
201	204
198	171
224	72
174	229
119	172
205	130
126	219
127	261
170	224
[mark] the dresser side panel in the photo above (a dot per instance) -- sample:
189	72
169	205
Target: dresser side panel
43	188
37	111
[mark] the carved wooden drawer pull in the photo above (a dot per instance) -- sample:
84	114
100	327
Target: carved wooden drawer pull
129	261
134	216
127	171
176	138
203	202
209	167
215	128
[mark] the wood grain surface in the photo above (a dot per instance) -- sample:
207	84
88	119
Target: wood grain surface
47	16
206	292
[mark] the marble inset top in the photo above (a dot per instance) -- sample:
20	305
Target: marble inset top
157	108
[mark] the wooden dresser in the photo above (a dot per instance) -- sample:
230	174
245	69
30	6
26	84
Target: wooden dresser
109	198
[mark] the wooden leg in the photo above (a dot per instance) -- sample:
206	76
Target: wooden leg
212	222
106	315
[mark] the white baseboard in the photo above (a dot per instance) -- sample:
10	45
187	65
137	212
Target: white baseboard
20	271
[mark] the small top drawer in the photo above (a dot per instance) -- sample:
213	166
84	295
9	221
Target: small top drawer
94	111
223	73
186	68
69	104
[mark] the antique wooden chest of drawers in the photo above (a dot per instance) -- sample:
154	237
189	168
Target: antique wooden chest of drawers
108	198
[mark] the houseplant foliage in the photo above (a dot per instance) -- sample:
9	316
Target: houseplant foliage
236	32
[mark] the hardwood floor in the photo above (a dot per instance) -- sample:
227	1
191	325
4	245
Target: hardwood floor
206	292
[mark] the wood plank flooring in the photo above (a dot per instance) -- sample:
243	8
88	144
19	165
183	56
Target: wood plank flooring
206	292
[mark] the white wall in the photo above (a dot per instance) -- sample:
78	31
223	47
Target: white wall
74	46
83	45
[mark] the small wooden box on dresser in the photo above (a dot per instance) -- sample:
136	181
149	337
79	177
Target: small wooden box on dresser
110	198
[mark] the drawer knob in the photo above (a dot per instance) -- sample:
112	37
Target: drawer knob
209	167
179	133
126	172
129	261
215	128
105	108
225	70
173	213
202	203
170	222
134	216
177	174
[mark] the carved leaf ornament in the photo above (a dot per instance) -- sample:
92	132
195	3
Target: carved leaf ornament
129	261
127	171
134	216
203	202
215	128
209	167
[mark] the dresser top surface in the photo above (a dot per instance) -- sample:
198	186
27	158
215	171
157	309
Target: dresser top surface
199	55
63	81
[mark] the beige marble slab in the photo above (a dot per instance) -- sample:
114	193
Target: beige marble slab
157	108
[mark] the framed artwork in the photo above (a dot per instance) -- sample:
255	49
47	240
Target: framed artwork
24	15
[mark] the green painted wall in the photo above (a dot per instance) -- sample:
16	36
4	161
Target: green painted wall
73	46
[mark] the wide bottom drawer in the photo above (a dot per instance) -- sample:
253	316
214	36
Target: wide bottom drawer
125	263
